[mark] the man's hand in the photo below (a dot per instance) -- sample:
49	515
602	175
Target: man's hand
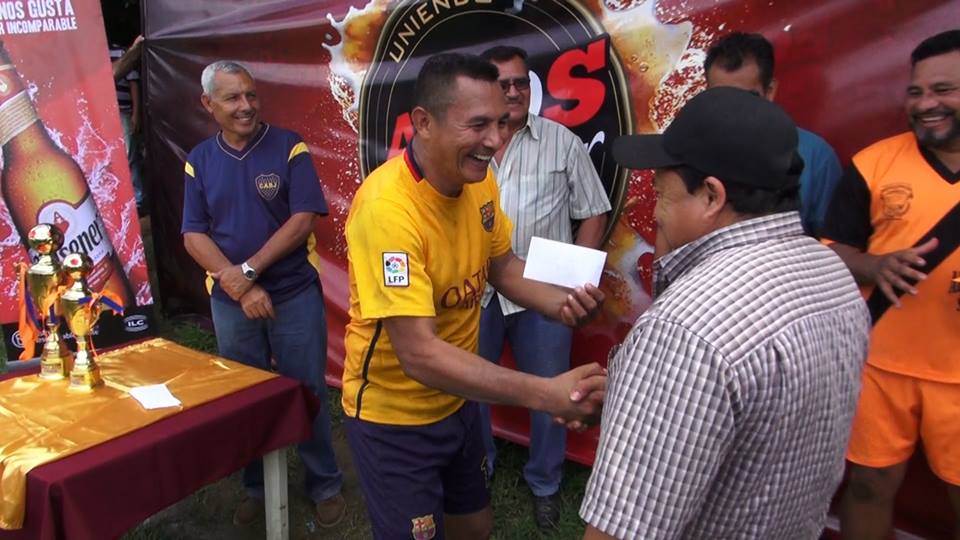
894	269
593	389
581	305
576	397
232	281
256	303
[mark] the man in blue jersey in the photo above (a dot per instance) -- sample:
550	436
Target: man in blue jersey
251	197
746	61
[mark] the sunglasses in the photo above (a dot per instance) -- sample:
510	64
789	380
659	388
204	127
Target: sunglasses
520	83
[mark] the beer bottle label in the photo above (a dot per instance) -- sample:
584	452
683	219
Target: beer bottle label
15	105
83	232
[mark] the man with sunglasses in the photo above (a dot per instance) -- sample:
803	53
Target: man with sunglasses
547	185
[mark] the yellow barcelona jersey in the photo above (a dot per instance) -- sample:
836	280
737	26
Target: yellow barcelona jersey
413	252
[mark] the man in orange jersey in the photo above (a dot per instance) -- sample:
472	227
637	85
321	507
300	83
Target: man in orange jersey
424	235
895	221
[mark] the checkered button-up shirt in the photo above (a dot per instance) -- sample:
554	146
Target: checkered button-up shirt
730	402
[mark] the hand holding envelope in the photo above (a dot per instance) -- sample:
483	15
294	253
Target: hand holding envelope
578	268
570	266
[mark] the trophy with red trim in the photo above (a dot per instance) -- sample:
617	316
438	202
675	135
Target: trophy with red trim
39	306
81	310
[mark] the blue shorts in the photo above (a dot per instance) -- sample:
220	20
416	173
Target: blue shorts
412	475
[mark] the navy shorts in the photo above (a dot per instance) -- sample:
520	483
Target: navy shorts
412	475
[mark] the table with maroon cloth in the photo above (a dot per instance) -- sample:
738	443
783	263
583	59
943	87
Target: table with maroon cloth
103	491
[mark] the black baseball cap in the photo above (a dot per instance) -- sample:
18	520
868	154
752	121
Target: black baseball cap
725	132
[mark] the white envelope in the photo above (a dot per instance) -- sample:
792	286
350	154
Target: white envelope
154	396
567	265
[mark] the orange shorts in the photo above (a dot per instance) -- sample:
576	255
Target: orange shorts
895	411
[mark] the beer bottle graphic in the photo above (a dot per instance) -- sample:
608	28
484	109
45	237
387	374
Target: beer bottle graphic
42	184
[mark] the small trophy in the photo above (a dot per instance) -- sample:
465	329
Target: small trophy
81	309
43	280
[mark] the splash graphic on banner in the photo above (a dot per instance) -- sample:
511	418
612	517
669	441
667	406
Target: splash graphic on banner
601	70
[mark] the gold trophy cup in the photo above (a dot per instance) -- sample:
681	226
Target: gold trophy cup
43	279
81	311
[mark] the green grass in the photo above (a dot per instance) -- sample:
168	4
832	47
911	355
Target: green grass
190	335
512	500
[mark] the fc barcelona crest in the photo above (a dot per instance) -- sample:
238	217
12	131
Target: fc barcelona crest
268	185
486	216
424	528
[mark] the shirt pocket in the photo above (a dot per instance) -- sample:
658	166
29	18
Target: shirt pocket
543	191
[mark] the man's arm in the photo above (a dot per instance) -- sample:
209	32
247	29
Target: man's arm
433	362
288	237
847	230
255	302
129	61
590	232
135	106
588	198
824	177
664	382
889	270
592	533
569	307
203	250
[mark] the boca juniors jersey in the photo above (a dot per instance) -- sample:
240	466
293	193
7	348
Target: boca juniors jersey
241	197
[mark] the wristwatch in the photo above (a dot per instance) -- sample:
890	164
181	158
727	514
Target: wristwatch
248	271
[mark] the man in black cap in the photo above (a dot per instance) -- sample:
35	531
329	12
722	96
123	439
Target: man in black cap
729	403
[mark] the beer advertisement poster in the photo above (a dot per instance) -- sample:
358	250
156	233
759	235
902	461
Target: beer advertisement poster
64	161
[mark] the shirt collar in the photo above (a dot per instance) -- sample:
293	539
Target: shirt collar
673	265
534	125
411	162
251	144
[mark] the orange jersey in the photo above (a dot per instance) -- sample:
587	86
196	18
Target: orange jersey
891	197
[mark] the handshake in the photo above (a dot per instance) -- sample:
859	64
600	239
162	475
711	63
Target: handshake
575	398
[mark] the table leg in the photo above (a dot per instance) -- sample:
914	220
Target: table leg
275	485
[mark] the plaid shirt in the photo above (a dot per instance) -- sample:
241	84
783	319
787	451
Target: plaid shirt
730	401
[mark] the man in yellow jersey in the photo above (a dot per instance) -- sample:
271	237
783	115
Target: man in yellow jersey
895	221
424	235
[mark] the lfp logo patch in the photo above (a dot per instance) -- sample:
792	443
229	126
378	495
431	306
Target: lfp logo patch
396	269
268	185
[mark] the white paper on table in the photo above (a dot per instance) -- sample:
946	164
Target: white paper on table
154	396
567	265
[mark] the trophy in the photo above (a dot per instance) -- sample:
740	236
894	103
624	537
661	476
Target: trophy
43	280
81	309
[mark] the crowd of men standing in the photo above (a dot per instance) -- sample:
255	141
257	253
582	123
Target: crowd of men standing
735	400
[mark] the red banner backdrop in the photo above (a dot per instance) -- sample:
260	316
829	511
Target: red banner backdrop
339	73
64	160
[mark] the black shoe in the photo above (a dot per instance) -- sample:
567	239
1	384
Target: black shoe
546	511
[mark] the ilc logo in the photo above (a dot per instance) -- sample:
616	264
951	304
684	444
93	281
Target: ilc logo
576	77
136	323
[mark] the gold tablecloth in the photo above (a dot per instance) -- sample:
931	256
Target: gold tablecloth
41	421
